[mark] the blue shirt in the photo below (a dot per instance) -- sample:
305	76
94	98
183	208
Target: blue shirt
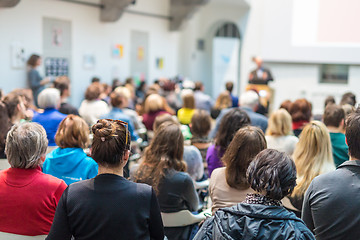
203	101
50	120
118	114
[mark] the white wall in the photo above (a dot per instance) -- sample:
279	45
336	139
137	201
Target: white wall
24	24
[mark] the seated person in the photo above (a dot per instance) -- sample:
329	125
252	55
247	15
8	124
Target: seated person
272	175
187	111
28	196
69	162
108	206
334	119
228	185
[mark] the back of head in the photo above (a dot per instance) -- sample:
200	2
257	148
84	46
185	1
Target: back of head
333	115
300	110
5	126
280	123
62	83
329	100
160	119
352	133
12	101
73	132
93	91
49	98
124	91
110	142
25	144
286	105
312	155
272	172
247	142
230	123
198	86
200	124
249	99
117	99
348	98
194	162
32	61
153	103
223	100
188	99
229	86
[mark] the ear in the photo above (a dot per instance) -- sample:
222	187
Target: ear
126	157
42	158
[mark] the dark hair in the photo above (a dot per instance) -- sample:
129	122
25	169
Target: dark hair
5	126
95	80
116	98
109	143
273	172
12	100
247	142
300	110
162	118
200	124
230	123
348	98
198	86
93	91
32	61
352	133
286	105
329	100
333	115
62	83
165	152
229	86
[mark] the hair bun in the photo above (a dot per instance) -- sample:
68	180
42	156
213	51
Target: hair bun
102	129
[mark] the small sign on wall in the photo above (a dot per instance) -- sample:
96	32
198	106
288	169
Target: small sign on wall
117	51
17	55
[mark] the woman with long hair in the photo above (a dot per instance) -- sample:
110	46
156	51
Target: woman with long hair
164	169
228	185
230	123
223	101
312	156
279	134
300	112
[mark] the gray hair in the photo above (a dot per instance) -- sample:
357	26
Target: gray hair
49	98
193	159
249	99
25	144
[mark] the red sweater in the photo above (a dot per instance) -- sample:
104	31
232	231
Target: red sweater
28	200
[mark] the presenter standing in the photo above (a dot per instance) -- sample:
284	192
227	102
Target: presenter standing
36	82
260	75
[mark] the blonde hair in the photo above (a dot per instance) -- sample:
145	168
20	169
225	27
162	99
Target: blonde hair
153	103
223	100
280	123
312	155
73	132
188	99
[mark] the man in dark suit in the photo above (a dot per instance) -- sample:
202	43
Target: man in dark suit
260	75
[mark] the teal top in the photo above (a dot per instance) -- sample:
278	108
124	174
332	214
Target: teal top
339	148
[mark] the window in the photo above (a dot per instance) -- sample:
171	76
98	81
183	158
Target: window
333	73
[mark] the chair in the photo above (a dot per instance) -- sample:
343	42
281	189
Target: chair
181	218
11	236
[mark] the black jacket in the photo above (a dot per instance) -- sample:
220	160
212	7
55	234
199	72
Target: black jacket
254	221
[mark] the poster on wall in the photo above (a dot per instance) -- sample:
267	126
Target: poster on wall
160	63
140	53
117	51
17	55
89	61
56	67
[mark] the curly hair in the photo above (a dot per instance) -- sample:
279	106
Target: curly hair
272	172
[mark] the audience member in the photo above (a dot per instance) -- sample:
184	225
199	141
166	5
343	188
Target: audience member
108	206
300	112
312	157
331	205
35	81
93	107
348	98
202	100
62	83
118	101
329	100
228	185
163	168
5	126
49	100
141	90
230	123
286	105
348	109
187	111
272	175
260	75
223	101
16	109
154	106
69	162
234	100
334	119
279	132
28	196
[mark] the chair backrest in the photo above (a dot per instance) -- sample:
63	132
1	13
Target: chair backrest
4	164
11	236
181	218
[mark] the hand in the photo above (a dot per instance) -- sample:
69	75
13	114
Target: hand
45	81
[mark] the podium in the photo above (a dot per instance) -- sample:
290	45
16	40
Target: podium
265	92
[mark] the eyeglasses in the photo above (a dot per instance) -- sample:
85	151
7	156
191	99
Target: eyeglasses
126	126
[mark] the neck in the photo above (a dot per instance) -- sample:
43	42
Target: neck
335	129
117	170
15	119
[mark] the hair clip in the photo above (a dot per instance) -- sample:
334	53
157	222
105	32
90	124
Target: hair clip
103	139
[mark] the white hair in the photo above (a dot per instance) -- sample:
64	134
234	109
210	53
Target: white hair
25	144
49	98
249	99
